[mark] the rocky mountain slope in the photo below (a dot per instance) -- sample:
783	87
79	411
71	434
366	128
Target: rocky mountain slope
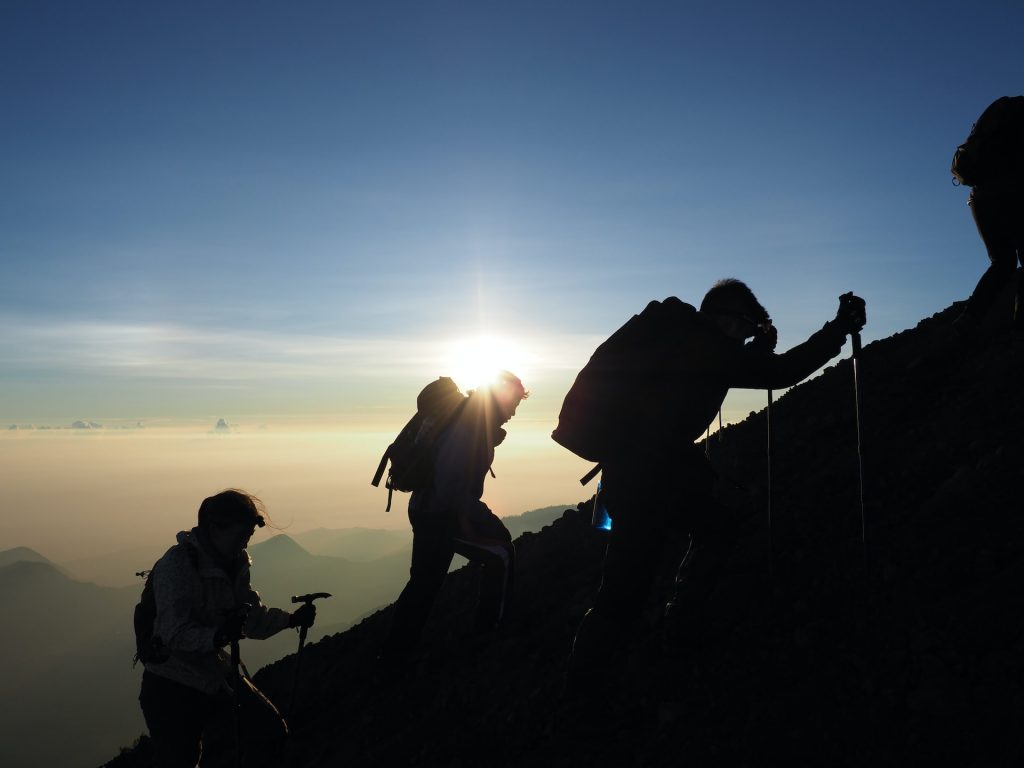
818	651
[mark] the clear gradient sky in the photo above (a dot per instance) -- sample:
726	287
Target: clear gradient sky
298	212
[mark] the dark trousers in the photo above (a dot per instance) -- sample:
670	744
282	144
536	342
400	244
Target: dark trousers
645	521
182	720
999	216
483	540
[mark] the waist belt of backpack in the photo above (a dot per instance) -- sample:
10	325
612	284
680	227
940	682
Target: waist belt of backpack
380	473
380	468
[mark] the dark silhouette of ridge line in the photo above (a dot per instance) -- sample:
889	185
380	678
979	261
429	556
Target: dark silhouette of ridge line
919	658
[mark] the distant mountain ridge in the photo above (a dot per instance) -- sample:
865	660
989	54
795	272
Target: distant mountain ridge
358	544
116	569
281	546
22	554
66	662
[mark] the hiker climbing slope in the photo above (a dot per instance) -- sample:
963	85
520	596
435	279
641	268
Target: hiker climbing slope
991	162
448	517
637	407
202	602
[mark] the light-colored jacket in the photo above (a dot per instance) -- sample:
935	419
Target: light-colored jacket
193	597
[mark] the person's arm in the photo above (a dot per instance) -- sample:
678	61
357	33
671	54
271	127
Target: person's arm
750	368
753	367
262	621
177	592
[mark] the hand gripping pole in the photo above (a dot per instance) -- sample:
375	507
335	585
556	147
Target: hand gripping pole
855	341
308	600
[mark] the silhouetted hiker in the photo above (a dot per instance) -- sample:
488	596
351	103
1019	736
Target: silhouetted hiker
448	517
991	162
204	602
646	395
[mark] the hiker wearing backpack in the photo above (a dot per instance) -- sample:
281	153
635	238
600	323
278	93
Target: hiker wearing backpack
637	407
448	517
198	601
991	162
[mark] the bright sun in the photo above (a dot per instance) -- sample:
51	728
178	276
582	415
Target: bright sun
476	360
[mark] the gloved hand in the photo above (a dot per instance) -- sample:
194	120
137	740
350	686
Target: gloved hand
232	629
303	616
765	342
852	314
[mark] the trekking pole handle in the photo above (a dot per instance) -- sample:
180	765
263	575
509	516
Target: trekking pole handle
308	600
310	597
303	631
855	341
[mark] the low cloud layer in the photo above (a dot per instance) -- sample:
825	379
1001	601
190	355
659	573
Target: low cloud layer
169	351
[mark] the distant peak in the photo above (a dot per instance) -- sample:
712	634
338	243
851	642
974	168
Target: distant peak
278	545
28	572
21	554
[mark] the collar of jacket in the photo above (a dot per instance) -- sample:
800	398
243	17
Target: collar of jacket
211	563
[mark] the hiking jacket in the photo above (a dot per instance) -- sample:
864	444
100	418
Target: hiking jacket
655	385
463	454
193	595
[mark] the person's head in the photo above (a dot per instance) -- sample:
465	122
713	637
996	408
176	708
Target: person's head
508	392
230	518
735	308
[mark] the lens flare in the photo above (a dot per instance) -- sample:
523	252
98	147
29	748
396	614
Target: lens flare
476	361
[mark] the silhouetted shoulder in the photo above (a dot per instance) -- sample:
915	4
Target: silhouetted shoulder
672	316
676	306
180	561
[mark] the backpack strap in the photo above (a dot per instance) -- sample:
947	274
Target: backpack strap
591	474
380	471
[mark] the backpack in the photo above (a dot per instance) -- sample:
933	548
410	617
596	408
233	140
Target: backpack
599	409
150	648
412	452
993	149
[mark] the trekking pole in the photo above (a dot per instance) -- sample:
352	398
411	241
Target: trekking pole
771	490
855	342
308	600
236	685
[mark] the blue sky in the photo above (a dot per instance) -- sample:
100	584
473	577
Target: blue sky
268	209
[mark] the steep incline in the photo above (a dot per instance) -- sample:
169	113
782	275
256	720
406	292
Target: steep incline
812	655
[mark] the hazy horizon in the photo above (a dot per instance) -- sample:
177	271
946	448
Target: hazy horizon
122	489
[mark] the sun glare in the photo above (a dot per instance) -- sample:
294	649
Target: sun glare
475	361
